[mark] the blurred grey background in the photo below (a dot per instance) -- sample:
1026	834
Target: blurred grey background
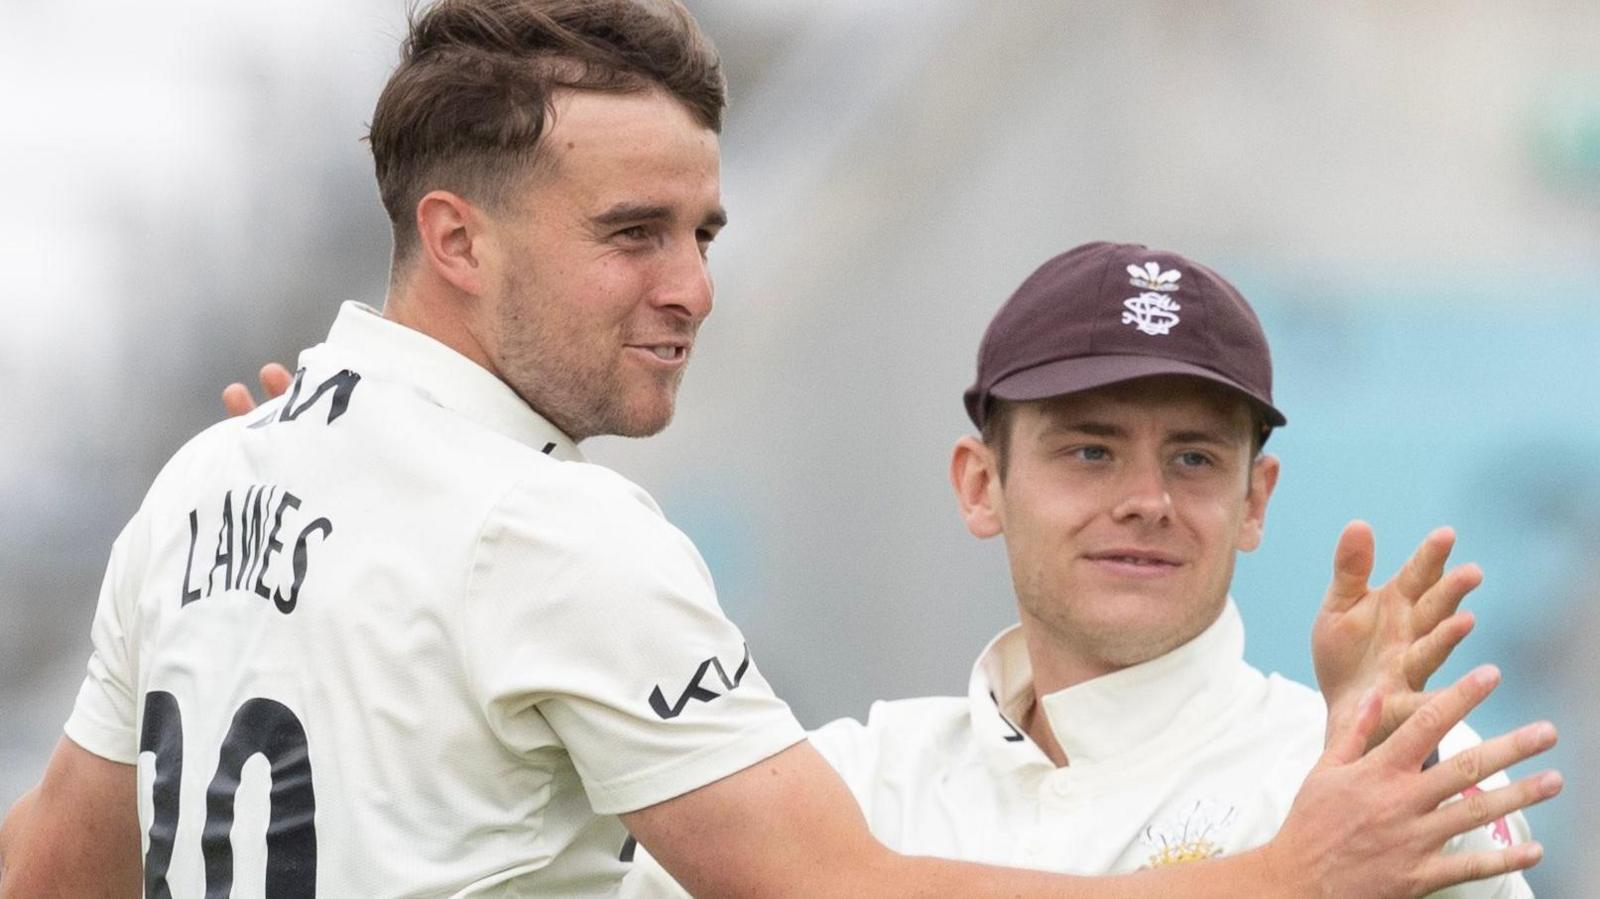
1409	193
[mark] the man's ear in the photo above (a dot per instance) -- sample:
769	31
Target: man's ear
1263	478
454	239
975	475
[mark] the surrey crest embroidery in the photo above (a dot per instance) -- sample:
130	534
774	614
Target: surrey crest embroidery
1192	834
1153	312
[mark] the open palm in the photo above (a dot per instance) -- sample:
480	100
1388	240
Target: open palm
1393	637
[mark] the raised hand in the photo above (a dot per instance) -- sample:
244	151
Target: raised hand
274	379
1372	825
1390	638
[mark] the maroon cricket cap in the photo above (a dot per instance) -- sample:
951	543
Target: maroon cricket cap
1104	313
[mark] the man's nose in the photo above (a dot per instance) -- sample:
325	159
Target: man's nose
685	282
1144	493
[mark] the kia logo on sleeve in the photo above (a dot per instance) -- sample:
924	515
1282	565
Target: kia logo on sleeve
696	690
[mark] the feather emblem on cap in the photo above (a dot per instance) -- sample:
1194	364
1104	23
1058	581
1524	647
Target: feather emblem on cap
1151	277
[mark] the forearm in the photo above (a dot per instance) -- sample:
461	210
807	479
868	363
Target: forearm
76	834
1246	874
8	830
896	875
15	880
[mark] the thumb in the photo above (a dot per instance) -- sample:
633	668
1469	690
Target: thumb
1352	566
1348	734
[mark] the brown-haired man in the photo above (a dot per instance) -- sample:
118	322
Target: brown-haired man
392	636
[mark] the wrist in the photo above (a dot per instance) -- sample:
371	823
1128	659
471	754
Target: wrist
1279	874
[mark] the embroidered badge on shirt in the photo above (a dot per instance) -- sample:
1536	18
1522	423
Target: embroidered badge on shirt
1194	833
1152	312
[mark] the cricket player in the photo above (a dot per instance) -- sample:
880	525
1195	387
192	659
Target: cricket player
1122	399
390	635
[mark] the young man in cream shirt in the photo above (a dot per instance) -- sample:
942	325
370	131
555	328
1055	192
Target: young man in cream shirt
1123	395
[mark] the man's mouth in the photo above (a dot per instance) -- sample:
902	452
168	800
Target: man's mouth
1138	558
666	352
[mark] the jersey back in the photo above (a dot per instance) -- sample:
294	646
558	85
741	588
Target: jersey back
351	644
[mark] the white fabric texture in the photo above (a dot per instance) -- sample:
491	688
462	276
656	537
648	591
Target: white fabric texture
473	627
1189	755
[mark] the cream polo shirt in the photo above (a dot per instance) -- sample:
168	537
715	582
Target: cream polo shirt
1189	755
390	635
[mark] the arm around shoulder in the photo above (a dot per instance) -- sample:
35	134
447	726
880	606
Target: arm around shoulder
788	827
1362	825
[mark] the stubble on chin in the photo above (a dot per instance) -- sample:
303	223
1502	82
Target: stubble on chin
584	391
1115	642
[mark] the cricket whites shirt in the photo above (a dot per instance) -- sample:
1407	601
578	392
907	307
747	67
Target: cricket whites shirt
390	635
1187	756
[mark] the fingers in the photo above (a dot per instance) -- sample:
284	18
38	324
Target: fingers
274	379
236	399
1426	564
1442	598
1352	567
1457	867
1429	652
1462	772
1347	739
1477	809
1411	744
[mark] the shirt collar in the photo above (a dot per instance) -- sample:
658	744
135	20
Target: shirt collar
390	351
1108	716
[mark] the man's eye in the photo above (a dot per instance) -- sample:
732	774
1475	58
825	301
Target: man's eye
1194	459
1092	453
637	232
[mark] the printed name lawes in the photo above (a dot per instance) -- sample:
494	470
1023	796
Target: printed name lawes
254	550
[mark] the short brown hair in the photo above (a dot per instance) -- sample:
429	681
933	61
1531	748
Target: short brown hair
466	107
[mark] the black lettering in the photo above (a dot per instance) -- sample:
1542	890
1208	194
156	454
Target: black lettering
261	727
288	500
268	728
342	384
252	531
246	545
1016	735
321	525
658	700
190	595
162	734
224	558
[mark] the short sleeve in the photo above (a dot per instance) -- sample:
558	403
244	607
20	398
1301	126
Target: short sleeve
102	719
589	615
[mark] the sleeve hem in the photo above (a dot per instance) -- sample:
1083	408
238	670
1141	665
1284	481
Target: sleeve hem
659	783
105	742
